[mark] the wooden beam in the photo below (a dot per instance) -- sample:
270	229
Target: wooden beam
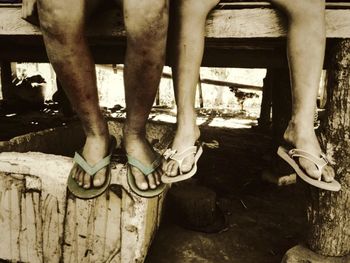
222	23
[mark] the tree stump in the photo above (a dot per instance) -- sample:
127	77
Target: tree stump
301	254
194	207
329	212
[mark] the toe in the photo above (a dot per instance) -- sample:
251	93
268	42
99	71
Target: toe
165	166
187	164
158	175
151	181
74	172
80	178
310	168
170	168
140	179
86	181
328	174
99	178
174	169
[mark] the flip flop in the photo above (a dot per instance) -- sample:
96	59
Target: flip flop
320	162
92	192
179	158
146	170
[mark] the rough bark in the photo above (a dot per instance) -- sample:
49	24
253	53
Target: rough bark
329	212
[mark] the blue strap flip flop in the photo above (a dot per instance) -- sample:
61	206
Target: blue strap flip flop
79	161
146	170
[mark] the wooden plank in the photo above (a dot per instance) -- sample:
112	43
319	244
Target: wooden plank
234	23
260	4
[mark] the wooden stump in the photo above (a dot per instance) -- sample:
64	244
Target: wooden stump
192	205
328	212
301	254
39	222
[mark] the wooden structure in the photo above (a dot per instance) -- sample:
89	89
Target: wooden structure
239	34
41	222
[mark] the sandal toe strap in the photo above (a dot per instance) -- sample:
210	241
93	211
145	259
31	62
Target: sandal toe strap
180	157
91	170
320	162
145	169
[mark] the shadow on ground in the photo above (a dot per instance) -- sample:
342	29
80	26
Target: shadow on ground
264	220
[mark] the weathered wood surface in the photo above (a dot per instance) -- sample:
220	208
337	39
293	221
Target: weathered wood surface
301	254
258	22
328	212
40	223
54	140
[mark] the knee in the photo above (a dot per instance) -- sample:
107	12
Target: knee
310	10
196	8
147	20
54	21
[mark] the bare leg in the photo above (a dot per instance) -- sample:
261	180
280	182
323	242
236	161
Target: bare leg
146	24
306	47
187	45
63	25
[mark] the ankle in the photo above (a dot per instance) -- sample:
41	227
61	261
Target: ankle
100	138
300	125
130	131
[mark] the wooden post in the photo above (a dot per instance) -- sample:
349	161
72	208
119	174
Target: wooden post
200	91
158	97
265	111
6	78
281	114
279	172
328	212
281	103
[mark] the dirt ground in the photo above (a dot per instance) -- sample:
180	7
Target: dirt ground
264	220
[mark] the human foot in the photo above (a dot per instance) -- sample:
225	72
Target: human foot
304	138
139	151
185	138
95	149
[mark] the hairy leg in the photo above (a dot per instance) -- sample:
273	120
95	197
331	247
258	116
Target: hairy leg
306	48
146	24
187	46
63	26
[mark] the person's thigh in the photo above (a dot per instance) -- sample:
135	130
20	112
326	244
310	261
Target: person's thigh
63	15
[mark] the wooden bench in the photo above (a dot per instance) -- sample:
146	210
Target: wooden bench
240	34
